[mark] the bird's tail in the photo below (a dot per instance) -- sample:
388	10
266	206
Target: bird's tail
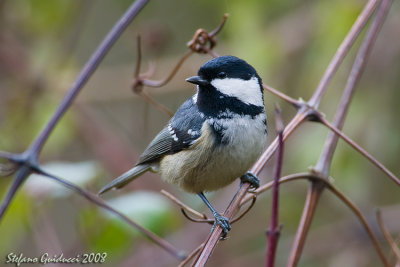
126	177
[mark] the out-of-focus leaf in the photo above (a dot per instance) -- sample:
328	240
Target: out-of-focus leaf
149	209
80	173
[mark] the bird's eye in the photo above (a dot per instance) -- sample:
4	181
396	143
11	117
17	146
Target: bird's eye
221	75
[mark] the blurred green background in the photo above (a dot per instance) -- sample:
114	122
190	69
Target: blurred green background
44	44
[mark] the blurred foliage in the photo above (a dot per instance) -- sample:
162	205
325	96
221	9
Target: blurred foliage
44	44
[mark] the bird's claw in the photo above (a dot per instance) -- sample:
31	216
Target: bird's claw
251	179
224	223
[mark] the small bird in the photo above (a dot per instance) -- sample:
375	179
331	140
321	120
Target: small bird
213	138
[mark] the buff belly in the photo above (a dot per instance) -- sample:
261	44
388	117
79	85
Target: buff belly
208	166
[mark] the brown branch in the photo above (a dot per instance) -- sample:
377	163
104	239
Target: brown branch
324	162
361	150
313	194
273	232
198	44
253	201
285	179
342	52
395	249
156	104
101	203
281	95
154	83
183	205
363	221
191	255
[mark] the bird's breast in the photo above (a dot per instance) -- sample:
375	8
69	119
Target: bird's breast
226	149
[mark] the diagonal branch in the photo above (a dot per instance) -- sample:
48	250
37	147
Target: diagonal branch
19	179
393	246
29	159
101	203
315	190
363	220
342	52
87	72
361	150
324	161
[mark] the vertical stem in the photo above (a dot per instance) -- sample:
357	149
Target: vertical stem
314	192
274	231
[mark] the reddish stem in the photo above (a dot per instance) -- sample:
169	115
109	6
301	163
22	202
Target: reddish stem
274	231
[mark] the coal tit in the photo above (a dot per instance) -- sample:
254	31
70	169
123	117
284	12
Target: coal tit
214	137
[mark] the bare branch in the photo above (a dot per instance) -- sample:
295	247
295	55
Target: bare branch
87	72
183	205
101	203
342	52
19	178
274	230
361	150
395	249
363	221
313	195
281	95
360	62
191	255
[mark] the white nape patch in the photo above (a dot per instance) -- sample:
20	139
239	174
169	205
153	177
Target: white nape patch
175	137
248	91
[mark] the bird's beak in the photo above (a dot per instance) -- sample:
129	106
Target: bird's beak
197	80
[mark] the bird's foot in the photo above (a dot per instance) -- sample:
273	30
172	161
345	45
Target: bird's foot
251	179
224	223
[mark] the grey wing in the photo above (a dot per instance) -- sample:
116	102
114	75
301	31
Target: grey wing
161	145
180	133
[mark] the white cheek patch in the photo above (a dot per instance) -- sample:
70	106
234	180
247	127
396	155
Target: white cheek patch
248	91
194	98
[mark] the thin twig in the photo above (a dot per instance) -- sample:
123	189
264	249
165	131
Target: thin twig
395	249
281	95
273	232
253	201
209	221
363	221
183	205
154	83
361	150
101	203
156	104
191	255
285	179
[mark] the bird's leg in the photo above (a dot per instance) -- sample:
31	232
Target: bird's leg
219	219
251	179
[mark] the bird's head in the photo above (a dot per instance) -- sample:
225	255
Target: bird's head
232	77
